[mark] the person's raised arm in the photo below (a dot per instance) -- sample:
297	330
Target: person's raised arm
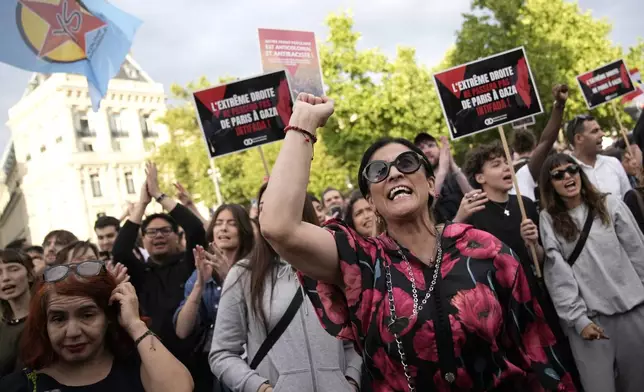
460	178
160	370
191	224
550	132
310	249
185	198
125	242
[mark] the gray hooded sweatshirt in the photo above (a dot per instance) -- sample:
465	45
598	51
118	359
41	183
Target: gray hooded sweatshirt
608	276
305	358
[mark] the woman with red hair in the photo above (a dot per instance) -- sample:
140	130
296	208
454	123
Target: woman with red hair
84	333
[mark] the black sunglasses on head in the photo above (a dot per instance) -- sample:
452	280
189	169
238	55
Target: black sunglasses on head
85	269
561	173
377	171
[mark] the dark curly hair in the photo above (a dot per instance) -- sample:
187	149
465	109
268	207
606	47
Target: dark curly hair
476	158
551	201
524	141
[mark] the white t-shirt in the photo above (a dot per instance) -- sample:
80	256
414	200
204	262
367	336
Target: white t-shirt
526	183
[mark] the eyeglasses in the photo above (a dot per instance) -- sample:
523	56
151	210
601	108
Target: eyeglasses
151	233
85	269
574	123
377	171
561	173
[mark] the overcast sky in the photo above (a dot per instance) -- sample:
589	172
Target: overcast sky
179	43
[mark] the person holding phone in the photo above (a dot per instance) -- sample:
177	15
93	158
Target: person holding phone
594	271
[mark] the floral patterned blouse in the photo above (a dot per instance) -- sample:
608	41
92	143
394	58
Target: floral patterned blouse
501	340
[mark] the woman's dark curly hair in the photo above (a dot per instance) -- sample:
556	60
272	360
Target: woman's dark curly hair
552	202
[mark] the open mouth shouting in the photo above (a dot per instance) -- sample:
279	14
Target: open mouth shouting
570	186
399	192
8	289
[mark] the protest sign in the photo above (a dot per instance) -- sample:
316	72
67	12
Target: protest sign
524	123
244	114
605	83
487	93
295	52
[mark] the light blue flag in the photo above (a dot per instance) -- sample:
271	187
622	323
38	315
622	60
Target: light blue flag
89	37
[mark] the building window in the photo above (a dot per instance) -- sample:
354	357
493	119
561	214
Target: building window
129	184
96	185
87	147
81	124
116	125
43	148
28	157
59	139
116	145
146	126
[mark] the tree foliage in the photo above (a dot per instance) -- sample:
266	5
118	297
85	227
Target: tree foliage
561	42
374	96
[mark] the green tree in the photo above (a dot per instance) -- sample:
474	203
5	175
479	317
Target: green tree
561	42
374	96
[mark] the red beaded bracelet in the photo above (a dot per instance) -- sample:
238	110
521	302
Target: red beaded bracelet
309	136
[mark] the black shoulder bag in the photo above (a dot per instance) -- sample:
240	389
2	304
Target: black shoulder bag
279	329
583	236
273	336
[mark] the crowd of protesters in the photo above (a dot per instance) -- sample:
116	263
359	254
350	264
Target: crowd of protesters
423	279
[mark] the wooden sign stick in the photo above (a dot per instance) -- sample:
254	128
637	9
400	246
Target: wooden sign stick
621	127
508	156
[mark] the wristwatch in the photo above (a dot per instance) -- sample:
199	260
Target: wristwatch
160	197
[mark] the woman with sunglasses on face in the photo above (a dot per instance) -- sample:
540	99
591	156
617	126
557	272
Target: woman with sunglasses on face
429	310
16	277
599	295
84	333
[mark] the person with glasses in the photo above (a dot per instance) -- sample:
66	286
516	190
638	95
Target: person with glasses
160	282
599	296
429	310
606	173
84	333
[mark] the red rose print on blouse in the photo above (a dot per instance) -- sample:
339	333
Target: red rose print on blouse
455	230
566	383
392	371
478	244
463	381
533	342
333	302
506	269
417	271
448	263
480	312
511	371
370	300
352	277
346	333
425	340
404	308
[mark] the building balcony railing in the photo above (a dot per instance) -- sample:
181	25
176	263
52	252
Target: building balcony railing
147	134
85	132
119	133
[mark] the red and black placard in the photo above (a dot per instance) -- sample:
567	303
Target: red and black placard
487	93
245	113
605	83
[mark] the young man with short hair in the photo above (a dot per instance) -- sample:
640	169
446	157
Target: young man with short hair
333	202
106	229
523	144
